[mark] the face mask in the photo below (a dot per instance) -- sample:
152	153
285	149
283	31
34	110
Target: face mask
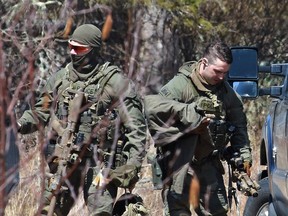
84	63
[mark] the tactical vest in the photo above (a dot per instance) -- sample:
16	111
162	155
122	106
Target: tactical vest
212	103
97	121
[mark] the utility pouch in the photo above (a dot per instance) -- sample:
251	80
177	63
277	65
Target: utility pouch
157	174
159	166
218	132
119	160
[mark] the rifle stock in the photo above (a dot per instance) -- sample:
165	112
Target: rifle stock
62	153
245	184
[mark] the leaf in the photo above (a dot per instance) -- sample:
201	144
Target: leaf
107	27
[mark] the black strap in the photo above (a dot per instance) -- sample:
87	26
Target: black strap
231	190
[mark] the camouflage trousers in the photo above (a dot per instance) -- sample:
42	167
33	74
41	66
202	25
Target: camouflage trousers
98	201
177	179
213	197
176	197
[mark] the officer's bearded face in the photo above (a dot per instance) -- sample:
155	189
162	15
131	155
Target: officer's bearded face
215	71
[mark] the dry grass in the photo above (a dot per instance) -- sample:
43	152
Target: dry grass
25	199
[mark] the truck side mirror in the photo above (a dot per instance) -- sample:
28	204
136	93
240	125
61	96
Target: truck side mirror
246	89
243	73
245	63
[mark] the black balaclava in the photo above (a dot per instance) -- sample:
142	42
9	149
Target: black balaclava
86	34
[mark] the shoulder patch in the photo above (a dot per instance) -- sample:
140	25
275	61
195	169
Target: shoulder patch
165	92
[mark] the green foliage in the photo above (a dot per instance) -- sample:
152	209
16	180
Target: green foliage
185	12
206	25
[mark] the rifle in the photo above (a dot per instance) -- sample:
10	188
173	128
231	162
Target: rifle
244	183
63	151
221	132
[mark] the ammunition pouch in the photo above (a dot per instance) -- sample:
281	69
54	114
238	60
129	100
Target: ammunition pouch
112	157
119	159
106	130
124	176
107	127
218	129
221	132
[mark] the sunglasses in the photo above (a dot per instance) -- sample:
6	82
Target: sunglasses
79	49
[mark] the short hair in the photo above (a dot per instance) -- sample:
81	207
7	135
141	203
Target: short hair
218	50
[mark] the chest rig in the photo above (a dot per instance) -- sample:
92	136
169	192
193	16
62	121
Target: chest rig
97	117
219	129
213	106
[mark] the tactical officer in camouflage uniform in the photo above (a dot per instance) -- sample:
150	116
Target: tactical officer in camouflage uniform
197	123
109	136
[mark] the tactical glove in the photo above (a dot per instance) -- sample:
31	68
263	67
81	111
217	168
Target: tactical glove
124	176
247	167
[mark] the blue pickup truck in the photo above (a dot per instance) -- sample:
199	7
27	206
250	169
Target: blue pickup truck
272	198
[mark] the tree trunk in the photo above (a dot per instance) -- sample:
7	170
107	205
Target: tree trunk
154	55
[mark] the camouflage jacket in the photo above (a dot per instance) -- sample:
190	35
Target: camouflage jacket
185	89
108	93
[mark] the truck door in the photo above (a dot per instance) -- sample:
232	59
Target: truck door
280	151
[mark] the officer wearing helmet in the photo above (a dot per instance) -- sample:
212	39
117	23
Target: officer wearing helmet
110	133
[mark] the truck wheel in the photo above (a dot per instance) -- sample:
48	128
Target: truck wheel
258	206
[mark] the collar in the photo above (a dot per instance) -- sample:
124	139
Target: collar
75	75
199	81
